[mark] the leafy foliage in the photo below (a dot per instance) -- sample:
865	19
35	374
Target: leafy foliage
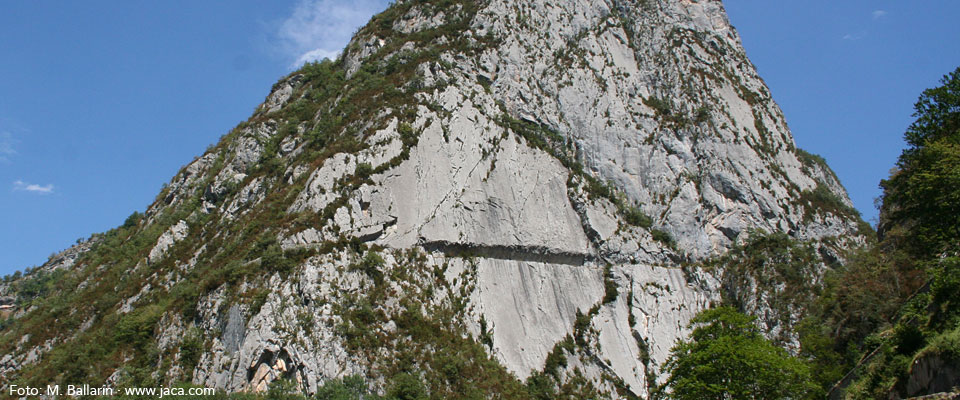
663	237
347	388
132	220
896	304
727	357
635	217
372	266
922	200
822	199
923	197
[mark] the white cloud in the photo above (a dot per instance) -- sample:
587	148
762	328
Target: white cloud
855	36
6	146
32	187
320	29
877	14
315	55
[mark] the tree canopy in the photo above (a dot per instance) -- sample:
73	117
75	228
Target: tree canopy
921	200
909	287
726	357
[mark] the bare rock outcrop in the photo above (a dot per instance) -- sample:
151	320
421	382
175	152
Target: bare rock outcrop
539	177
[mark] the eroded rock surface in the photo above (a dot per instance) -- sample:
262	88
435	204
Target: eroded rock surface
551	184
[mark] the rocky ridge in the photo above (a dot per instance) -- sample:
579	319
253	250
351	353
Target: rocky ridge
535	179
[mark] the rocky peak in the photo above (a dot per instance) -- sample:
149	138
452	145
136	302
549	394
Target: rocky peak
655	97
533	180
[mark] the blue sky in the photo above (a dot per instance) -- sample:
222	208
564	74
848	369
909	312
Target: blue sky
102	102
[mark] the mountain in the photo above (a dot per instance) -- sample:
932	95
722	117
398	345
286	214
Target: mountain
474	195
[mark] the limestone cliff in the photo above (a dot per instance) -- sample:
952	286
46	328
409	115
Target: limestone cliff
533	179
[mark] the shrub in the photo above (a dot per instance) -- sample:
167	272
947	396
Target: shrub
352	387
580	326
635	217
663	237
541	387
406	386
136	328
823	200
555	360
486	334
407	134
727	357
661	106
702	114
258	300
413	322
132	220
609	286
274	260
190	350
364	170
371	265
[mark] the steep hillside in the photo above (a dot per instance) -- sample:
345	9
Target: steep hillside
474	195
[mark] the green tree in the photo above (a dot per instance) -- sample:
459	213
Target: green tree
898	301
407	386
921	200
726	357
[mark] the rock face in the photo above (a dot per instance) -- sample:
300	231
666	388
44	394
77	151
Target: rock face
536	177
167	239
931	374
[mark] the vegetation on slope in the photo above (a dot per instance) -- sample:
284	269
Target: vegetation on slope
101	335
884	323
728	357
920	245
91	338
887	308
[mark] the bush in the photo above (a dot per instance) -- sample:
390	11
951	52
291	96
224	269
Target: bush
364	170
371	265
663	237
190	350
555	360
541	387
272	256
352	387
945	294
37	285
823	200
580	326
136	328
406	386
661	106
610	292
414	323
274	260
407	134
486	334
945	345
258	301
132	220
727	357
635	217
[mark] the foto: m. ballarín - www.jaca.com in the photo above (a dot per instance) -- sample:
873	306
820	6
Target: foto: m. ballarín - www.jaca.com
87	390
